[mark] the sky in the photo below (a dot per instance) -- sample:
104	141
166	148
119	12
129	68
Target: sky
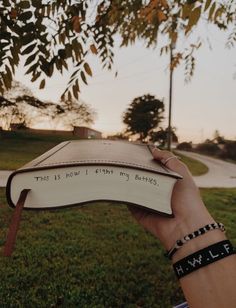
206	104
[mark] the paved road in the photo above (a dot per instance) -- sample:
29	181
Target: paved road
221	173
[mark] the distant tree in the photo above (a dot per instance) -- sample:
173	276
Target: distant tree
74	114
217	138
161	136
54	36
19	105
185	146
119	136
143	116
229	150
208	147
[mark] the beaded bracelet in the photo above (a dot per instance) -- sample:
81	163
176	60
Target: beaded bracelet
179	243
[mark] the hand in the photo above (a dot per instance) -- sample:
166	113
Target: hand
187	206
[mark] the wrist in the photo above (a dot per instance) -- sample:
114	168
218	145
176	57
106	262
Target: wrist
186	225
199	243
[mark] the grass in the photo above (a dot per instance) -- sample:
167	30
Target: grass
93	256
16	149
196	167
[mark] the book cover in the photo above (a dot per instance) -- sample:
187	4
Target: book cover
83	171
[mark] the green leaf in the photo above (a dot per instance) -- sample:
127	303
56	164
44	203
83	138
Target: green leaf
69	96
24	4
83	77
194	17
36	3
75	91
74	74
9	74
218	13
78	49
29	27
212	9
15	54
5	35
30	59
28	38
208	3
29	49
64	63
68	50
77	85
12	63
7	79
32	68
36	76
25	15
88	69
42	84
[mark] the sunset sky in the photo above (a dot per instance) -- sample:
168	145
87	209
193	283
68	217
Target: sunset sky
200	107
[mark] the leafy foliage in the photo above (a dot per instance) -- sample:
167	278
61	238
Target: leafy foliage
208	147
185	146
143	115
161	136
229	150
50	36
118	136
18	105
219	147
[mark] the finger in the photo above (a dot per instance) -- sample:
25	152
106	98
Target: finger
174	164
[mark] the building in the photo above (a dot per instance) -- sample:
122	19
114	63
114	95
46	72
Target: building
87	133
81	132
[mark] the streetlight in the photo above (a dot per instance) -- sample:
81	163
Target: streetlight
169	134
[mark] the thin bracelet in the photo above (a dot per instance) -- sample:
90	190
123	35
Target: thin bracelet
203	257
179	243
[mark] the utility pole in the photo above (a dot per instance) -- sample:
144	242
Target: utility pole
169	135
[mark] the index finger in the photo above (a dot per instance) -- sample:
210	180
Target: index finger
173	164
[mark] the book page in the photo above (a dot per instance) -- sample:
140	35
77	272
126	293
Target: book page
71	185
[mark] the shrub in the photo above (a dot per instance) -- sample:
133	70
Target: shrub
229	150
185	146
208	148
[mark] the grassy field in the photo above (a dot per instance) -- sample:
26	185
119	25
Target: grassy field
16	149
90	256
93	256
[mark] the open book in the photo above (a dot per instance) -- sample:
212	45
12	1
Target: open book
77	172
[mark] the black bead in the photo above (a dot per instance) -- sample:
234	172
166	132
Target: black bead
180	243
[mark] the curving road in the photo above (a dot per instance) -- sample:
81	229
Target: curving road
220	174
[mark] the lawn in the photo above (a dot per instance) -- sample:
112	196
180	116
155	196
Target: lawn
90	256
93	256
17	148
24	147
196	167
